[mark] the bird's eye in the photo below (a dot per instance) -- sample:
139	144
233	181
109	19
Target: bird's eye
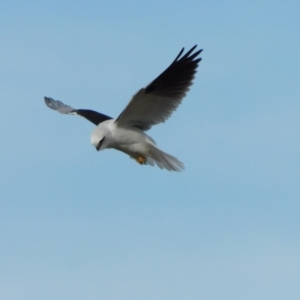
99	144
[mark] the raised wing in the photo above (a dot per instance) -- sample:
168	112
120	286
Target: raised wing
91	115
155	103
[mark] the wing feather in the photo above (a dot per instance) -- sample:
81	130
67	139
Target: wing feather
156	102
93	116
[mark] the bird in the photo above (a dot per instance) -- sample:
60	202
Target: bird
151	105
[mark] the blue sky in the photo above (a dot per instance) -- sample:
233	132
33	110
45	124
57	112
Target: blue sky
77	224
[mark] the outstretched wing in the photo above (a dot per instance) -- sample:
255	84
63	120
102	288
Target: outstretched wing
155	103
91	115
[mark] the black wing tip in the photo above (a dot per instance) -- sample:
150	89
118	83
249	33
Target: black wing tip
188	55
150	88
48	101
179	54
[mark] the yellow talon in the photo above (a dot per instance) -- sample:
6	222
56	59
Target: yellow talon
142	160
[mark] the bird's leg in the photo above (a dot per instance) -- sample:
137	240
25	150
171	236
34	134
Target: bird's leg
142	160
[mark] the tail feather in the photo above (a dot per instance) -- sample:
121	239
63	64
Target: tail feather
164	160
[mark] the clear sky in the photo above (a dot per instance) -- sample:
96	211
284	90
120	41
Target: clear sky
78	224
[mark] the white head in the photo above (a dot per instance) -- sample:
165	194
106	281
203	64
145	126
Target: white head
98	137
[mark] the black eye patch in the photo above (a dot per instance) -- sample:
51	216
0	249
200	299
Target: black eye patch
99	144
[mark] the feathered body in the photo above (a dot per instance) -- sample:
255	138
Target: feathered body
151	105
133	142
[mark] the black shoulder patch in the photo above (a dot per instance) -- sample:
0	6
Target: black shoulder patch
92	115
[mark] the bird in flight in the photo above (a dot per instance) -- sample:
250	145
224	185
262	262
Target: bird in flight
151	105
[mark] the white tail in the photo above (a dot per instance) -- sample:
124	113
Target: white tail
163	160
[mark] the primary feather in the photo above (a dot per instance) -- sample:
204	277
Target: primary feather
156	102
